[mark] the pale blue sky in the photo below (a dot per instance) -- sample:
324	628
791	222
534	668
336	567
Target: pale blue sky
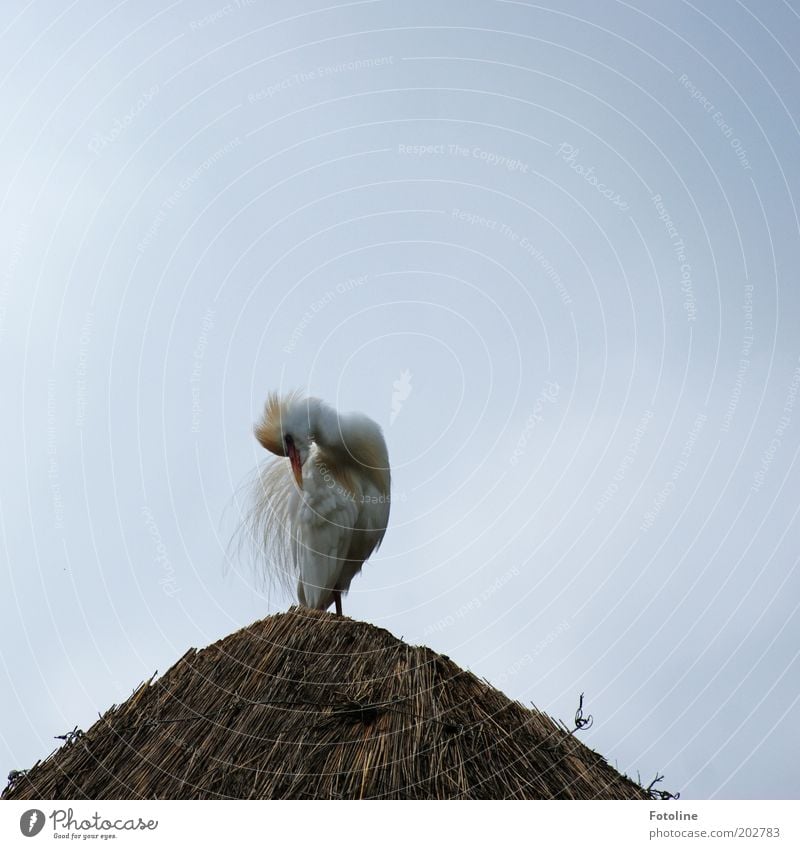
574	224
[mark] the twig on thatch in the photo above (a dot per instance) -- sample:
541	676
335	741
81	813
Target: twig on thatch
70	736
659	794
581	722
357	711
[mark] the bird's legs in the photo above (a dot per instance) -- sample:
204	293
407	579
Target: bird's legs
337	597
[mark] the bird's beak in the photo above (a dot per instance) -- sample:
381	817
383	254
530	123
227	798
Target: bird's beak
297	465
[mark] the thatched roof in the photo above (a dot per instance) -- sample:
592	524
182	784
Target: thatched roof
310	705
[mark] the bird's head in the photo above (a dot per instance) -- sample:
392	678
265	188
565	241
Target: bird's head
285	429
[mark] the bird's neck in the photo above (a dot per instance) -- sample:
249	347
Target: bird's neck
326	428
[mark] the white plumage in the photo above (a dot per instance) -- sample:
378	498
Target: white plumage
322	505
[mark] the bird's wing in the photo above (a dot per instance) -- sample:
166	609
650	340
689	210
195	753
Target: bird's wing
368	533
323	533
370	525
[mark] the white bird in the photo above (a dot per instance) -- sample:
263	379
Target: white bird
319	516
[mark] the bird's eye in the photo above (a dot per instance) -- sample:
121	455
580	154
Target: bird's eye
288	440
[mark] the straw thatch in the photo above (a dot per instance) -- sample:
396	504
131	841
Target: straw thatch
310	705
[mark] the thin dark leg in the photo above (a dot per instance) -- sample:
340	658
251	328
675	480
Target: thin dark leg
337	597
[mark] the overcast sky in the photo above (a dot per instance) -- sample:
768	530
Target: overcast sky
552	249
